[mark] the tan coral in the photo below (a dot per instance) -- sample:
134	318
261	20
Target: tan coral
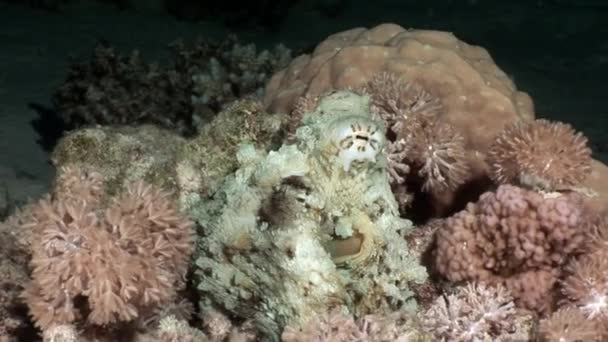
471	88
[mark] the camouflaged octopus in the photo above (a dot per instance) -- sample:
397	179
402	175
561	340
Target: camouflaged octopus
308	227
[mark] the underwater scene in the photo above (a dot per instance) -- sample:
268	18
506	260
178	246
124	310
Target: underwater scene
303	171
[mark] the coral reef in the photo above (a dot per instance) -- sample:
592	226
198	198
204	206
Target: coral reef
104	264
303	201
541	233
418	71
317	214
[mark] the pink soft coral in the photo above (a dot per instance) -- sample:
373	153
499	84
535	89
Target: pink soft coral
540	154
104	264
418	139
436	152
394	101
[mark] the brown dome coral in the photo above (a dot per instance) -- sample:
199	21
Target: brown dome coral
477	98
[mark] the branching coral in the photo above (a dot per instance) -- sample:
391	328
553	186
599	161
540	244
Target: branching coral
516	237
114	89
540	154
224	72
477	312
104	264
